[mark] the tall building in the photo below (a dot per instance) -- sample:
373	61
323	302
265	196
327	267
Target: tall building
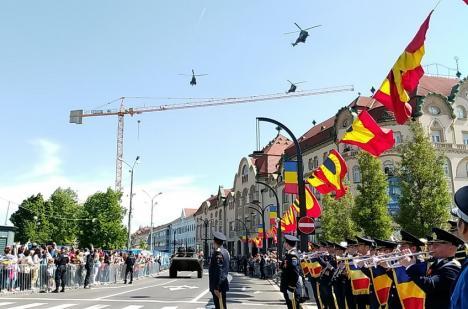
183	230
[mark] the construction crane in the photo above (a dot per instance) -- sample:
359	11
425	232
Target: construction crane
76	116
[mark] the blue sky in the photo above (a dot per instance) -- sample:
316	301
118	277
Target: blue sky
57	56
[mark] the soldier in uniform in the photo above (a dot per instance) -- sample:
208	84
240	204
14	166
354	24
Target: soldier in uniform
89	261
441	275
61	261
290	272
129	263
218	271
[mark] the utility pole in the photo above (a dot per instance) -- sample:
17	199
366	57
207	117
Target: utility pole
152	209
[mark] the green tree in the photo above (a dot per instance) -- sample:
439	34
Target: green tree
64	212
143	244
103	226
424	201
371	211
31	221
336	221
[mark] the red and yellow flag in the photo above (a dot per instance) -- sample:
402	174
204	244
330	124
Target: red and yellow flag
288	220
318	184
360	283
313	208
331	173
404	77
410	294
315	268
382	284
367	135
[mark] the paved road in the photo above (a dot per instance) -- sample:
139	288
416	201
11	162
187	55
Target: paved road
161	292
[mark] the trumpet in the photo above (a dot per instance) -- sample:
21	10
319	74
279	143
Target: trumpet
393	260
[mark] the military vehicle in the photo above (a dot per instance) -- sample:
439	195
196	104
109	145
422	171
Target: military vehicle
185	260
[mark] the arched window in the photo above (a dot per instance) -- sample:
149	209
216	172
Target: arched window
434	110
356	174
245	174
310	164
447	168
460	112
398	137
389	168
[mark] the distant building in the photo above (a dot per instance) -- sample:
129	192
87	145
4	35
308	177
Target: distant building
182	230
161	238
140	236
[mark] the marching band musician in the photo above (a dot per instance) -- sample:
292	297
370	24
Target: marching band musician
352	252
313	278
338	278
441	275
328	267
290	274
459	297
363	300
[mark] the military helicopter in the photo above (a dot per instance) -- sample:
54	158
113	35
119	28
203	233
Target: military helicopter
193	81
293	86
303	34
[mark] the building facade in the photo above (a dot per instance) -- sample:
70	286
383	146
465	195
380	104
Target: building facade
182	230
161	238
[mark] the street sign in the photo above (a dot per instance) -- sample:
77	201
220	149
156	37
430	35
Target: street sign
306	225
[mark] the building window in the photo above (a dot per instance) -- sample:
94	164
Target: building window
398	137
447	169
356	174
436	136
245	174
465	138
460	112
434	110
389	168
311	164
325	155
316	162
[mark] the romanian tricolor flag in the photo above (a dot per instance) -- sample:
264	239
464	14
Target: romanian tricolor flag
312	205
260	229
315	268
273	214
366	134
360	283
332	172
410	294
404	77
290	177
382	284
288	220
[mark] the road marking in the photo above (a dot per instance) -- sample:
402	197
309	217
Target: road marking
179	287
132	307
97	307
5	303
169	307
28	306
62	306
133	290
200	296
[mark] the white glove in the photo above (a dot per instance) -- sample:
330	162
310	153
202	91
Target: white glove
290	294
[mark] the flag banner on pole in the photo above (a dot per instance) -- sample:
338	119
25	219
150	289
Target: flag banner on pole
288	220
290	177
404	77
367	135
410	294
360	283
319	185
273	214
313	208
332	172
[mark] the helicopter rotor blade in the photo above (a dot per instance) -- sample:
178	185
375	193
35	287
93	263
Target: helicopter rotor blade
291	32
289	82
313	27
185	74
302	82
200	74
298	26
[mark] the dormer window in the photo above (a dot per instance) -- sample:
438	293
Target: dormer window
434	110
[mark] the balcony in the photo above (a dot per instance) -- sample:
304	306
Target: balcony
450	146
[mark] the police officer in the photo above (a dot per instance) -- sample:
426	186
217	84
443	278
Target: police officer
89	260
290	273
441	275
218	271
61	262
129	263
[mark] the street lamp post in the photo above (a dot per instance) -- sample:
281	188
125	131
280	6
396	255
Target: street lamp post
278	217
205	223
132	167
246	237
300	175
152	208
261	210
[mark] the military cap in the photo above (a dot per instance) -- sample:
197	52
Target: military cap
291	239
385	243
461	200
365	241
408	238
444	236
351	242
429	237
453	225
219	236
339	247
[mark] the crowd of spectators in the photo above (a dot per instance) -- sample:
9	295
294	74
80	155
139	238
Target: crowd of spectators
34	267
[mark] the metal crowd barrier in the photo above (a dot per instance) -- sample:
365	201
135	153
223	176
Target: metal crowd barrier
41	277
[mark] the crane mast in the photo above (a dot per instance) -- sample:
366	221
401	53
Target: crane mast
76	116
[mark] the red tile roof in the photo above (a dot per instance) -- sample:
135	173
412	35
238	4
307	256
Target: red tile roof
435	84
190	211
268	163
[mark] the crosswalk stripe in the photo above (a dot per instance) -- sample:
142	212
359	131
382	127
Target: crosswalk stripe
28	306
63	306
5	303
97	307
132	307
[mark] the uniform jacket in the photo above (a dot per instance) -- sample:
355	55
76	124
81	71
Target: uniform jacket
290	273
437	282
219	269
130	261
62	260
459	298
